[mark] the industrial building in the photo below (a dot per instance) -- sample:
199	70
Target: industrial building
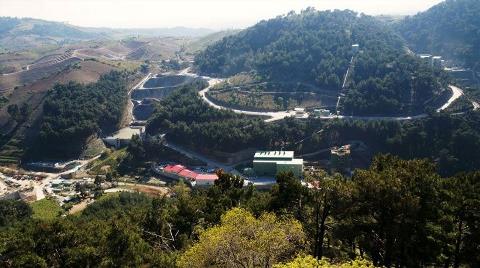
466	76
427	58
124	135
179	172
433	61
321	113
270	163
300	113
355	48
437	61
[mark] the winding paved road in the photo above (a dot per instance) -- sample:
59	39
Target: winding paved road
275	116
476	105
457	93
280	115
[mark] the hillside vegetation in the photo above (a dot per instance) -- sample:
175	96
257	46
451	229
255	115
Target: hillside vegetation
189	121
315	48
74	112
18	34
203	42
396	213
450	29
19	129
451	141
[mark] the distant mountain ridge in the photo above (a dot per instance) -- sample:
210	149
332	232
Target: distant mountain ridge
150	32
19	34
30	26
25	33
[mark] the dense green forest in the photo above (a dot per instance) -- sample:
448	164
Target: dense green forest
397	213
394	85
74	112
450	140
315	48
416	205
188	120
449	29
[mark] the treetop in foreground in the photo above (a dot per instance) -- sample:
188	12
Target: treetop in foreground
241	240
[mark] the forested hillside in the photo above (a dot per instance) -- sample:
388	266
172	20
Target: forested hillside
73	112
450	29
449	140
315	48
189	121
310	47
396	213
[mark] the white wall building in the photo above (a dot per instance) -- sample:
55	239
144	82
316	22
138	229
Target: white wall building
124	135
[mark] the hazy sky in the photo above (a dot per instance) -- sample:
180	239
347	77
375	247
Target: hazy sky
215	14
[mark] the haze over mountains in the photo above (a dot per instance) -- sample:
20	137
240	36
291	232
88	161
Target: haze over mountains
313	139
18	34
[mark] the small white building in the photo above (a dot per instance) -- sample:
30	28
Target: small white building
355	48
426	58
204	180
300	113
437	61
124	135
321	112
299	110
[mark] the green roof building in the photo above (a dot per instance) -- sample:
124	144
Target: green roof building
270	163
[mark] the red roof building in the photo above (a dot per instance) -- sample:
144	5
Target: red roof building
205	179
188	174
173	169
181	172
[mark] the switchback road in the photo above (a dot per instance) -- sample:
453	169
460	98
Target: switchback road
275	116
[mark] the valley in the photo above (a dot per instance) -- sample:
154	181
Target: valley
315	138
87	61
